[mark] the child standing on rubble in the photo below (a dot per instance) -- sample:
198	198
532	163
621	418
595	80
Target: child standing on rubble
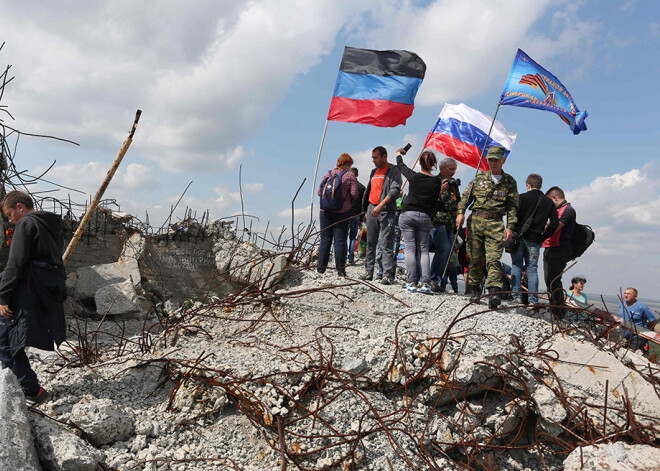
32	290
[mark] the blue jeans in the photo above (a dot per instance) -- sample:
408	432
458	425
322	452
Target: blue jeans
441	239
527	253
353	226
19	364
334	226
416	227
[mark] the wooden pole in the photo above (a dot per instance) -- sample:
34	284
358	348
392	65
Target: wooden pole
101	190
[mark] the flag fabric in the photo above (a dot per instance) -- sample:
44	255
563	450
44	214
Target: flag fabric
376	87
531	86
461	132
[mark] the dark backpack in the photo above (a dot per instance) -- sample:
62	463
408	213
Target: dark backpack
583	237
331	198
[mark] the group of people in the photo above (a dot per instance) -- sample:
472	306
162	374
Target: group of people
433	213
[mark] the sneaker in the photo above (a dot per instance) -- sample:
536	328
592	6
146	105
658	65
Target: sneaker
387	281
366	277
35	401
410	287
517	300
426	289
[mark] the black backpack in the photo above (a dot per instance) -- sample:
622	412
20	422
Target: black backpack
583	237
331	191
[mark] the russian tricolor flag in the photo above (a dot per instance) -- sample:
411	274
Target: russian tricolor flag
376	87
460	132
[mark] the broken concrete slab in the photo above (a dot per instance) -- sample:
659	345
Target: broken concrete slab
61	450
17	451
617	456
103	420
177	270
584	371
247	263
87	280
145	378
117	298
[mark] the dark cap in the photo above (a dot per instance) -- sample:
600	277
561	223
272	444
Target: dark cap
495	152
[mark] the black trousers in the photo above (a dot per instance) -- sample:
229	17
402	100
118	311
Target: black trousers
554	263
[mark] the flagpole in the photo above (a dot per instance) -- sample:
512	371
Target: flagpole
318	160
413	166
481	157
424	146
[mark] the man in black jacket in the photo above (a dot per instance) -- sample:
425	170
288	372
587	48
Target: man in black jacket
530	242
32	290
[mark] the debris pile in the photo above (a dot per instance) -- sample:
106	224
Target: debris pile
319	372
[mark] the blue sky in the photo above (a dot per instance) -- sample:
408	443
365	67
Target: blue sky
226	83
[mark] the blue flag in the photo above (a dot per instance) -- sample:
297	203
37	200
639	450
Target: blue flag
531	86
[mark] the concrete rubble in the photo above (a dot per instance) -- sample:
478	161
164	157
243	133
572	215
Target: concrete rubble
347	375
61	449
617	456
17	450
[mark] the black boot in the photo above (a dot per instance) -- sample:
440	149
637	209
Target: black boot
475	292
493	299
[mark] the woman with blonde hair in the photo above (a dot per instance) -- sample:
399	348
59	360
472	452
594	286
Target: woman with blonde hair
334	222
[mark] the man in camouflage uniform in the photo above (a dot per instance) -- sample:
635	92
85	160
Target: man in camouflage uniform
491	194
444	221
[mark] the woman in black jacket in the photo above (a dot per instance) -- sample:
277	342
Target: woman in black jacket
415	219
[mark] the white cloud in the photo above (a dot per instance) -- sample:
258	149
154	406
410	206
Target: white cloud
253	188
207	74
631	199
622	210
88	177
300	214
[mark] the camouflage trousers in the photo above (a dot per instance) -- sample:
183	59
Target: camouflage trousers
484	239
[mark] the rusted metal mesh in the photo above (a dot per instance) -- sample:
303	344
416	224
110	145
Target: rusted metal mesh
301	432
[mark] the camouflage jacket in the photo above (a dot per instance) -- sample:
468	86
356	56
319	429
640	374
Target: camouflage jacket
447	205
501	198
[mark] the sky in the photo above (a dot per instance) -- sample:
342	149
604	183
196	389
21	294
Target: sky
224	84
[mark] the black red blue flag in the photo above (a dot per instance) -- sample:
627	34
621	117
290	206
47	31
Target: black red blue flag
376	87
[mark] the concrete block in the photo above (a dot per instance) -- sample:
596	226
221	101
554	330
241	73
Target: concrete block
90	279
17	451
61	450
617	456
103	420
117	298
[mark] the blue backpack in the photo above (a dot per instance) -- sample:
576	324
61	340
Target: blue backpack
331	191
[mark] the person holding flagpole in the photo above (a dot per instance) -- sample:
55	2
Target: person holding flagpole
490	195
443	221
